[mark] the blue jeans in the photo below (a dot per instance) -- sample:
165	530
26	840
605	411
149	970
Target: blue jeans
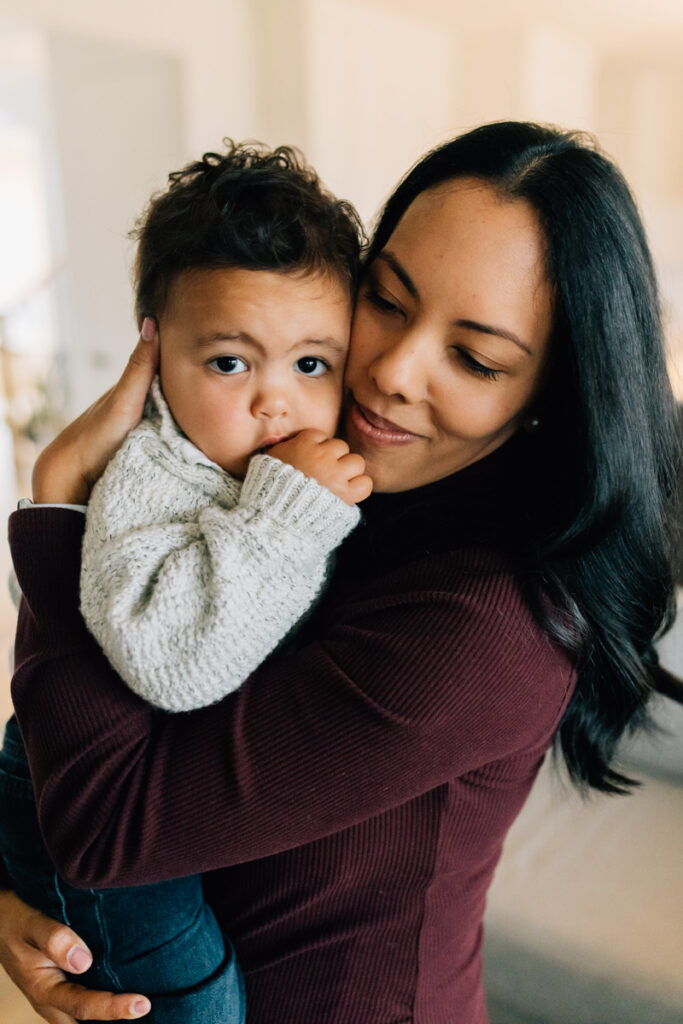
161	940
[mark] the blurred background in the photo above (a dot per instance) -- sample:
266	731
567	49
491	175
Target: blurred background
98	102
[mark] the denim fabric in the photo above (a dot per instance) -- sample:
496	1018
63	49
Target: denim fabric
161	940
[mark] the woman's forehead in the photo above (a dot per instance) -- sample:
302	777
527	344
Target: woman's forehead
472	213
477	254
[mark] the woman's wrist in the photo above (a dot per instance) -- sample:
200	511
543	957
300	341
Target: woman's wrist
57	478
66	471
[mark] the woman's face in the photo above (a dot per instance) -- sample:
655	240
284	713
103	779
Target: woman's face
450	335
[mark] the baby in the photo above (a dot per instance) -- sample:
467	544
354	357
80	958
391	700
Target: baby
201	552
209	535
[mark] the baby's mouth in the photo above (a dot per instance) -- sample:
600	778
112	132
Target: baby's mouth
270	442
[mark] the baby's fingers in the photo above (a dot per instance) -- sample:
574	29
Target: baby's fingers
359	488
352	465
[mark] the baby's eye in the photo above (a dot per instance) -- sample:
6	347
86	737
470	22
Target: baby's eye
228	364
311	366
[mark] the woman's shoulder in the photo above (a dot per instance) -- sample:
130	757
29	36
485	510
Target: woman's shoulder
477	572
455	630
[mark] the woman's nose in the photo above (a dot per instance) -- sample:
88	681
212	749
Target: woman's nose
399	370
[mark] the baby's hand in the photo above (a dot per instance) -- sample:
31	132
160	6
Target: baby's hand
329	461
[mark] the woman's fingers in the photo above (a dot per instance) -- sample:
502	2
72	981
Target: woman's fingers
36	951
66	471
131	389
65	1002
57	943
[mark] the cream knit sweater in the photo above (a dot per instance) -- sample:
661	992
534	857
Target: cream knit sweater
190	578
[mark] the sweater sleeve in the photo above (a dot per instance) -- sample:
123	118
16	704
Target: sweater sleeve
395	698
186	602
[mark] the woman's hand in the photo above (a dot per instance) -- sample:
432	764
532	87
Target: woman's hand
66	471
36	951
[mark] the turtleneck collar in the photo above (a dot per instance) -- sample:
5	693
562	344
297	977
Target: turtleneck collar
489	503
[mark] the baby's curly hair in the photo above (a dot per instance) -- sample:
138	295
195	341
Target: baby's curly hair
251	208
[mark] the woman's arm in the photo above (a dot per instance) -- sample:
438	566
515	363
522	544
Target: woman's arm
66	471
393	700
34	950
37	952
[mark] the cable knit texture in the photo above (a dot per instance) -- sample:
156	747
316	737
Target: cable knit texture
191	578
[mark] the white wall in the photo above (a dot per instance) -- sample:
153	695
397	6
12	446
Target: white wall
532	73
118	131
365	86
211	38
381	92
135	90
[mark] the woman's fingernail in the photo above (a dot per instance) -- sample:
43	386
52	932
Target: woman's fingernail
140	1006
149	328
78	960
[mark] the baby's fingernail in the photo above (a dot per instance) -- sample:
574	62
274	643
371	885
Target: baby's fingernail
140	1006
78	960
148	328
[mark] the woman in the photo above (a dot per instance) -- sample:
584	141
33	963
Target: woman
508	391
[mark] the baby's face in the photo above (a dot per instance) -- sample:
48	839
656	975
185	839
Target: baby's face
250	357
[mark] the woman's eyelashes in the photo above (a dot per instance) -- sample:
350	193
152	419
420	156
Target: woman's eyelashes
474	366
471	364
377	300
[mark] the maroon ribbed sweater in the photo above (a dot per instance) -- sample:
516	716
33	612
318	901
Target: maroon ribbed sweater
348	803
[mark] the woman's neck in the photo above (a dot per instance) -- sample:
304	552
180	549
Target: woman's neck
485	504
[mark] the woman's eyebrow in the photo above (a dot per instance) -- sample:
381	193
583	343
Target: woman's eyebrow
470	325
500	332
400	271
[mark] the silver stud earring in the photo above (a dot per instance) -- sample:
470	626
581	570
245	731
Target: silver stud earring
531	423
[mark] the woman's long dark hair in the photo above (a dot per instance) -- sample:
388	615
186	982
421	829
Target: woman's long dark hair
597	558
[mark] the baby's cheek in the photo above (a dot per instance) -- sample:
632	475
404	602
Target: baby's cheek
214	427
330	405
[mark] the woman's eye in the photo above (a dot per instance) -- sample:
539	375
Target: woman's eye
311	366
380	302
228	364
475	366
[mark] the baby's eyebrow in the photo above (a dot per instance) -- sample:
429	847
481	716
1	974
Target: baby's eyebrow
204	340
332	343
207	340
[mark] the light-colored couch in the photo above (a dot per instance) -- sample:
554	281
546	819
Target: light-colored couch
585	917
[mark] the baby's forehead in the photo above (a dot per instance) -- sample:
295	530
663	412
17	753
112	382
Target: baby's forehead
272	312
273	345
201	286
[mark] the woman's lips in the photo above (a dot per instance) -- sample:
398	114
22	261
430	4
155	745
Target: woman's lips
375	428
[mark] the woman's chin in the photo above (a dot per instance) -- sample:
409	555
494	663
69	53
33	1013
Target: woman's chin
392	471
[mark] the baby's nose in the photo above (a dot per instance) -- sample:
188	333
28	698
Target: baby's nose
270	403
